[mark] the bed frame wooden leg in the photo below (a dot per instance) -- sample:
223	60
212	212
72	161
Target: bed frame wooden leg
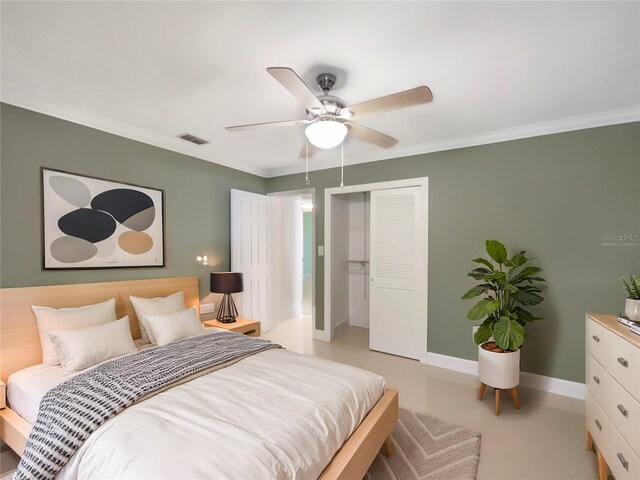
497	394
388	447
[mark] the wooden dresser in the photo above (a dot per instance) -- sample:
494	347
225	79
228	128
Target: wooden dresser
613	398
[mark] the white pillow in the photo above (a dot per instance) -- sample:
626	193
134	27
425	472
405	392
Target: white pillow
83	347
155	306
66	318
174	326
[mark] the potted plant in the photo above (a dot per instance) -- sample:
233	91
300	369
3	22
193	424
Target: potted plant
632	305
508	286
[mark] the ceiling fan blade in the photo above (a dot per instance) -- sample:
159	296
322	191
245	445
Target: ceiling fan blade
371	136
292	82
303	152
408	98
286	123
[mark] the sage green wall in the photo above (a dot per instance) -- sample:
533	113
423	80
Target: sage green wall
196	197
554	196
307	242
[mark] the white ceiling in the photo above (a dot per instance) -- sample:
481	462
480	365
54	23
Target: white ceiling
153	70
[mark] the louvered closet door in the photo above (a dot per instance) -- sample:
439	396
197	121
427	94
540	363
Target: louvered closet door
398	272
251	252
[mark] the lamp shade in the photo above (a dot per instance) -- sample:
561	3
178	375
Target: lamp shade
326	133
226	282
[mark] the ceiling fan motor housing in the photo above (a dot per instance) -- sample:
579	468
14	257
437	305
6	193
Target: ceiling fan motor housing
326	81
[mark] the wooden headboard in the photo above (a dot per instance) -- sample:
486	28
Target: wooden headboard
19	340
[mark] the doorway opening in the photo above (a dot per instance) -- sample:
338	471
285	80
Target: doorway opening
294	259
376	264
272	245
350	259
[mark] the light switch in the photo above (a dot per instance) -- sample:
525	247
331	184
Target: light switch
207	308
321	250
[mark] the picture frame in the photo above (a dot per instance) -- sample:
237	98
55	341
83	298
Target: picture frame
94	223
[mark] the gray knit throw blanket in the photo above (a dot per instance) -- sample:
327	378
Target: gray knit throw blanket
73	410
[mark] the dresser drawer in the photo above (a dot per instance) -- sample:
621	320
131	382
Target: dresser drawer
611	444
619	406
618	356
622	361
596	339
594	417
599	382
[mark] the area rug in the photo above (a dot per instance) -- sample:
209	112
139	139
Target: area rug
425	448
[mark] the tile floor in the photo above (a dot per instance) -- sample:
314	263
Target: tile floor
542	440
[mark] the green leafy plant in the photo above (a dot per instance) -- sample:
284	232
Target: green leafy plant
507	286
632	286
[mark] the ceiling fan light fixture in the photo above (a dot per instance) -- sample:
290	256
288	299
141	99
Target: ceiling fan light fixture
326	133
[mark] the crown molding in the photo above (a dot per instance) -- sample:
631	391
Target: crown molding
614	117
81	117
104	124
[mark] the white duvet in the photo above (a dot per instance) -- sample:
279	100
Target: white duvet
274	415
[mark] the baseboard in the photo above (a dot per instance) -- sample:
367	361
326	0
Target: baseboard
339	327
322	335
558	386
286	316
452	363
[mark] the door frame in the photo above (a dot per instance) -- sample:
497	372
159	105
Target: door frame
312	192
422	182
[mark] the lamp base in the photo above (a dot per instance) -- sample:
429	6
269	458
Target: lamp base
227	312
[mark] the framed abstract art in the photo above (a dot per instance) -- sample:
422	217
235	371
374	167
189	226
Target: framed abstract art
91	222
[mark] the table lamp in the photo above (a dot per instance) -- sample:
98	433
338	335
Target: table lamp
226	283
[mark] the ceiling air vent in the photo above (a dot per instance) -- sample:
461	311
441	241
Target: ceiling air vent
193	139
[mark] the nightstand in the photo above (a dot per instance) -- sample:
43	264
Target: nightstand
241	325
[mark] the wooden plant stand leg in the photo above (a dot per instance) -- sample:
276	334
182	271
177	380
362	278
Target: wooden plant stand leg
589	442
514	396
481	394
497	394
603	468
388	447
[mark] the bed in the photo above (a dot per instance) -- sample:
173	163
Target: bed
261	424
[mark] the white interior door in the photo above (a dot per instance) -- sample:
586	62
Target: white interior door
398	316
251	252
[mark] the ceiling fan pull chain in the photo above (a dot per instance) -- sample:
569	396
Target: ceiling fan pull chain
342	165
306	177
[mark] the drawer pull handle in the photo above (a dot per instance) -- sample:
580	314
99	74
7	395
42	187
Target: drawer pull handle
596	338
249	332
623	461
623	362
598	424
596	379
623	410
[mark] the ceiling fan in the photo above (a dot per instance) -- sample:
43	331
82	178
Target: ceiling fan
329	120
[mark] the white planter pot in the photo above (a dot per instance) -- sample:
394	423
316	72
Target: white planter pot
499	370
632	309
